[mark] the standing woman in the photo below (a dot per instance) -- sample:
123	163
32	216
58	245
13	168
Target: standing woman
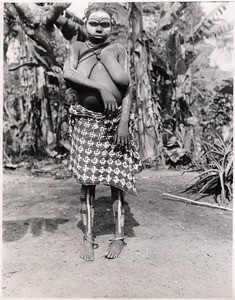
102	149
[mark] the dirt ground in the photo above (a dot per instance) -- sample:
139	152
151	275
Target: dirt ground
174	249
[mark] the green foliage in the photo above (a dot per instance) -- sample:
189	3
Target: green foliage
216	177
184	81
218	115
178	146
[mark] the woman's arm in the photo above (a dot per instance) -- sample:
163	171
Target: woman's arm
122	137
122	134
71	74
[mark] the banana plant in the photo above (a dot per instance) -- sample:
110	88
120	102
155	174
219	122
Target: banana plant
184	56
216	177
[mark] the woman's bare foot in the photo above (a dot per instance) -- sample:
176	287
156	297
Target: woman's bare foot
87	251
114	249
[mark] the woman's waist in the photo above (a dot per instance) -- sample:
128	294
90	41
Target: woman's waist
94	97
78	110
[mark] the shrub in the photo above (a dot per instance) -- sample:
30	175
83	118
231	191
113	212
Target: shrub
216	176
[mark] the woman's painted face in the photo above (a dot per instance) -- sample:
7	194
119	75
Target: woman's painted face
98	26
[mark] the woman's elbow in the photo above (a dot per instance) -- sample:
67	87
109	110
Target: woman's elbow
125	81
67	74
122	79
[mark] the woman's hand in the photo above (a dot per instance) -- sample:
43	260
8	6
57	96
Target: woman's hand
122	135
110	103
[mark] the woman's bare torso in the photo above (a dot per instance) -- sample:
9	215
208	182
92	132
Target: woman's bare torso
107	71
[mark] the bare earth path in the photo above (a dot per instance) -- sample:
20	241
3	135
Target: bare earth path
174	249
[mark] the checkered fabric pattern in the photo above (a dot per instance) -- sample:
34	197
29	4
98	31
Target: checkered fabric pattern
94	156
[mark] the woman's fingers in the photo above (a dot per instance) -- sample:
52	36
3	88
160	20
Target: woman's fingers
110	107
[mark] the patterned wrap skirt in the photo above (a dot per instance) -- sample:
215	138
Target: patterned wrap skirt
95	158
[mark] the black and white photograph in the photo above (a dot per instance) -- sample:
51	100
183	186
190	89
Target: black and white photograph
117	149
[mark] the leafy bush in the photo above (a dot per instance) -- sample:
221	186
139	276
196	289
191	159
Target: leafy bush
177	146
216	177
219	113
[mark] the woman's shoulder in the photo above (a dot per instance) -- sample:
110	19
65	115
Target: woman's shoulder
117	47
77	45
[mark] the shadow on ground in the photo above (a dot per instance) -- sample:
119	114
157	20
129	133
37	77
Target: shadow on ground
104	222
16	229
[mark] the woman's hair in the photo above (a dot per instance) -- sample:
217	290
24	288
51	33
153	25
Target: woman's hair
92	7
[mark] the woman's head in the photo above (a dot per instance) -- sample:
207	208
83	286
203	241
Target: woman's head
99	21
94	7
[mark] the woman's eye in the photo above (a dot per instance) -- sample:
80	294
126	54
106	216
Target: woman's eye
105	24
93	24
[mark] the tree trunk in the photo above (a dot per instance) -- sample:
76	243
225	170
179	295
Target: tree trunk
35	22
142	86
35	131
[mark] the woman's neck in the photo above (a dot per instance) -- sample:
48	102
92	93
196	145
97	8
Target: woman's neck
92	44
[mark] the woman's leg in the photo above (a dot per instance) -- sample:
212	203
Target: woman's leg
87	216
118	242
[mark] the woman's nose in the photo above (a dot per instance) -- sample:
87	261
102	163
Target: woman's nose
99	28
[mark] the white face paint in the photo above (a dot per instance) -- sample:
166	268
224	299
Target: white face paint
98	26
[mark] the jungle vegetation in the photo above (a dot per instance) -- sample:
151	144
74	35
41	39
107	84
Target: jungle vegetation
183	105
